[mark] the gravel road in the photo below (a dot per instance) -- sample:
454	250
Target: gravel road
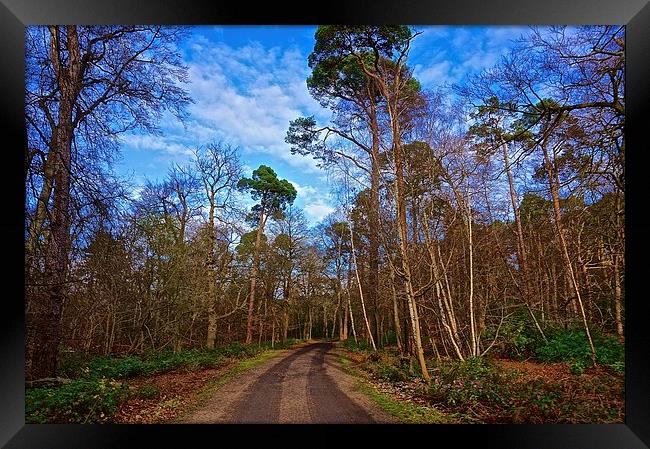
304	385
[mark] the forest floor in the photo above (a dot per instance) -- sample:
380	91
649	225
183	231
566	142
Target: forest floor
321	382
489	390
303	384
176	392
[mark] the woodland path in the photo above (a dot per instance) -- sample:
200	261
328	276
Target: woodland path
305	385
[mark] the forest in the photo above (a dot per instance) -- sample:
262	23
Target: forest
473	222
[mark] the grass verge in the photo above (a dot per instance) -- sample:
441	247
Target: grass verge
404	411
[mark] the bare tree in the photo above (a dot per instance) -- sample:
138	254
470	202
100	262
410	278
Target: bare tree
103	81
219	169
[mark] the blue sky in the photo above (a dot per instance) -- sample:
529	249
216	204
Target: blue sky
248	82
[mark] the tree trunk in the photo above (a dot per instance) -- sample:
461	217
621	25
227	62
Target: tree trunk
344	327
618	291
254	270
403	244
212	281
618	298
363	306
392	96
336	316
44	315
285	325
398	330
521	248
373	216
36	229
471	279
349	295
310	324
554	188
262	321
446	311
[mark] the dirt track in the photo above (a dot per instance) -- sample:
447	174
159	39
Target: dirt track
304	385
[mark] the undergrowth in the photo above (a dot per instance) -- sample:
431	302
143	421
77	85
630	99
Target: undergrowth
95	387
78	401
519	339
480	389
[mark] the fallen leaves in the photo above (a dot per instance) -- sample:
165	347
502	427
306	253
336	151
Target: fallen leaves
178	390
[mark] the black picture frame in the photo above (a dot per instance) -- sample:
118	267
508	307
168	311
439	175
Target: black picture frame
16	14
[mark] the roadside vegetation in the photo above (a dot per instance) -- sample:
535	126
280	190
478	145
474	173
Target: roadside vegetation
527	380
92	389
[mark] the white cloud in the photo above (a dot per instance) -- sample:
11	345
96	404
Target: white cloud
315	201
248	95
136	192
462	37
431	32
480	60
499	36
166	144
318	210
306	192
437	73
452	53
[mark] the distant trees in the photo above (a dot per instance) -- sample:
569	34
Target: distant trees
292	237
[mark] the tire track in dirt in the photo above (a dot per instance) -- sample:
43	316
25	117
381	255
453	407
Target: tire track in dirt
262	402
327	403
305	386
